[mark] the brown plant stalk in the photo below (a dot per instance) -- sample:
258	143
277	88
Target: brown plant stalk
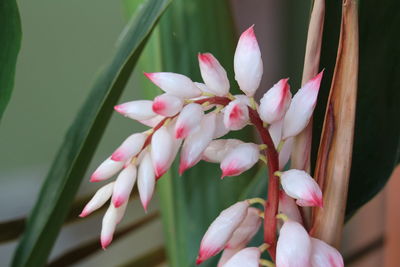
335	150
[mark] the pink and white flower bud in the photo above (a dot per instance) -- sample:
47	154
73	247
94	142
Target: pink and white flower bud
300	185
247	257
204	89
167	105
213	74
162	148
284	154
137	110
246	230
288	206
221	230
123	185
188	120
196	143
111	218
106	170
98	200
130	147
236	115
174	84
240	159
217	149
153	121
248	64
227	254
324	255
293	246
220	128
301	107
146	180
275	102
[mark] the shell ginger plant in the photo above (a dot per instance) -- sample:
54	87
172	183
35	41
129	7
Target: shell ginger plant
194	116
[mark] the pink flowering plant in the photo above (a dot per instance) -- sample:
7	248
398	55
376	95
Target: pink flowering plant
191	119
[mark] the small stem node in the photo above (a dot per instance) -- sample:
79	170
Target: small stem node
263	159
282	216
266	263
263	247
263	146
280	146
255	200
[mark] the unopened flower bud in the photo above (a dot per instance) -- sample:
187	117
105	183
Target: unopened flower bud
275	102
217	149
130	147
174	84
246	230
220	128
98	200
196	143
300	185
236	115
240	159
227	254
293	246
188	120
301	107
284	154
324	255
247	63
106	170
247	257
221	230
137	110
288	206
123	185
167	105
161	150
213	74
111	218
146	180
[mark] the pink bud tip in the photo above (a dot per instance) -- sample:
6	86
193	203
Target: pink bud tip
105	242
198	261
236	113
159	171
83	214
182	167
150	76
118	201
145	205
158	106
180	133
206	58
119	108
117	156
249	33
94	178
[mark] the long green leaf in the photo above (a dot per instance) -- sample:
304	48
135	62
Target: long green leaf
82	138
10	43
377	129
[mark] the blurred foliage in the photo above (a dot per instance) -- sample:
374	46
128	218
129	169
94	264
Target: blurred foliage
63	180
10	43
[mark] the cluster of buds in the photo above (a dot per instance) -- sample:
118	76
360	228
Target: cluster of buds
193	116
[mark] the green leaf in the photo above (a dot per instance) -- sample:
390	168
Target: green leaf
10	43
377	129
67	171
90	247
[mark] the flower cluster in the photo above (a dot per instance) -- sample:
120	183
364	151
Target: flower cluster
192	117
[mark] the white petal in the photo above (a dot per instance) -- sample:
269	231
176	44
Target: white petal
240	159
162	148
188	120
110	220
220	128
167	105
246	230
294	246
196	143
247	63
174	84
130	147
203	89
153	121
137	110
213	74
221	230
247	257
236	115
285	153
275	130
275	102
301	107
288	206
123	185
146	180
217	149
227	254
98	200
106	170
324	255
300	185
